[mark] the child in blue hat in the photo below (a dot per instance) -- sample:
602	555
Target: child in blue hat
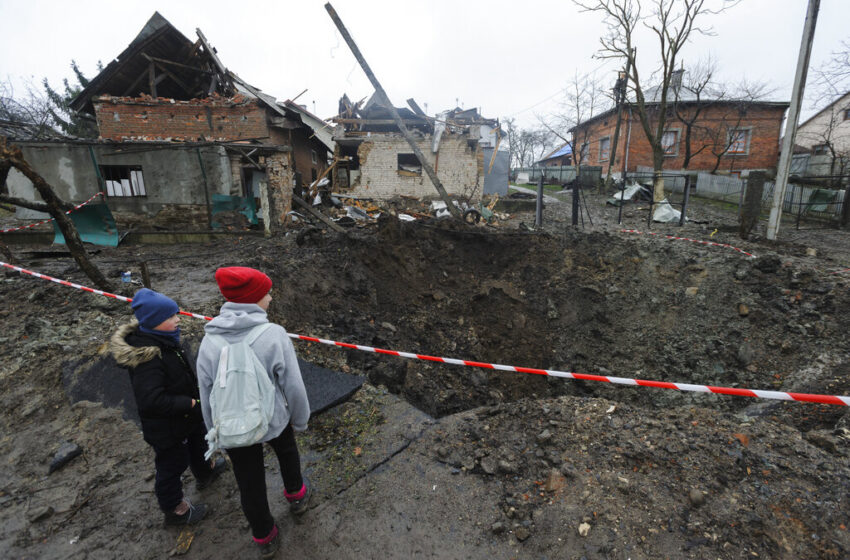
166	389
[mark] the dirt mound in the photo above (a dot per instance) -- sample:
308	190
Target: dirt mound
598	303
528	464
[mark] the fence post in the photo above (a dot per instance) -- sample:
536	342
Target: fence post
687	195
538	215
751	208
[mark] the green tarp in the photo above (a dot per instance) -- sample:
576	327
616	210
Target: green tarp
820	200
94	223
225	203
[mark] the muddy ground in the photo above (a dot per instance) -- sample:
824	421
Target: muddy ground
432	460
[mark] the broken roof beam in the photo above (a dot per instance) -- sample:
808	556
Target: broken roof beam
455	211
380	122
415	107
165	71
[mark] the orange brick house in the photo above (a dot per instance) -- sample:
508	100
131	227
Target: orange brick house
726	136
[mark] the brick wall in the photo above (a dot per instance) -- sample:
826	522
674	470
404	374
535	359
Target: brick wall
457	166
145	118
762	122
302	148
279	175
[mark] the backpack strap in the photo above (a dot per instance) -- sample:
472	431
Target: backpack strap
255	333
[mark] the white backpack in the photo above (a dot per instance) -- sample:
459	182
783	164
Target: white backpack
242	396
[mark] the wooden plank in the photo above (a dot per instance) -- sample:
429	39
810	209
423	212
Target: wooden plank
377	122
318	215
152	79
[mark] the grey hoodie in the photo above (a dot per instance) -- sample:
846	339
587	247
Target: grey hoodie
275	351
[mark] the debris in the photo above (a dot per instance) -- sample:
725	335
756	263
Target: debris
184	541
555	481
67	451
584	529
665	213
696	497
40	514
627	194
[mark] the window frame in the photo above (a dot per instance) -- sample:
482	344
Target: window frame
116	185
820	150
606	155
314	156
414	162
674	145
747	130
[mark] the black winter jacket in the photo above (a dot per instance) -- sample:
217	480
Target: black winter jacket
164	383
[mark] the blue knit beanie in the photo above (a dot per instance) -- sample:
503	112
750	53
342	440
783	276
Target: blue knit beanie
152	308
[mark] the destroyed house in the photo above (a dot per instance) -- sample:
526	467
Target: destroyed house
164	93
373	160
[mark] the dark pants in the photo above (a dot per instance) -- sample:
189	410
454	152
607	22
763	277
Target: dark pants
250	473
171	463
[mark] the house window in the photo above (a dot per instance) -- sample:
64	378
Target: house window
313	175
739	141
605	148
670	143
123	180
820	150
408	164
314	156
847	114
585	152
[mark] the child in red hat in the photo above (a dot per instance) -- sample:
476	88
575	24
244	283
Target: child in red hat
247	292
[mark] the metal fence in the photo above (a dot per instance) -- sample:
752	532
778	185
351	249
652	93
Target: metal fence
554	174
802	201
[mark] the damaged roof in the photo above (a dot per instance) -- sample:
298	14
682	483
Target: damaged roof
186	70
161	43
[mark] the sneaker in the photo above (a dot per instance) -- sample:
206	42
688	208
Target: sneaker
193	515
299	506
218	467
269	545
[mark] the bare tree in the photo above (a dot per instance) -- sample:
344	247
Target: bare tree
11	156
672	22
28	107
723	134
526	145
584	97
831	133
693	98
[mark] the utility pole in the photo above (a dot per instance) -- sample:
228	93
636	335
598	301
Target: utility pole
784	166
429	170
620	90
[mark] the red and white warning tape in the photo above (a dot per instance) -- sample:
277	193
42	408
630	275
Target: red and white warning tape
77	207
86	288
756	393
711	243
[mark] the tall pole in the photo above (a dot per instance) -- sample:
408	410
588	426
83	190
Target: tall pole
620	89
455	211
784	166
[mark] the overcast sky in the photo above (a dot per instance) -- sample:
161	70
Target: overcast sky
511	59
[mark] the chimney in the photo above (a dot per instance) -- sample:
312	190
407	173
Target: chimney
676	79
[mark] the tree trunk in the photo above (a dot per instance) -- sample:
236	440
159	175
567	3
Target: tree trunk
55	208
657	178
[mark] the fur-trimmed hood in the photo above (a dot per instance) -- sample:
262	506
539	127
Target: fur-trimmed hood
130	356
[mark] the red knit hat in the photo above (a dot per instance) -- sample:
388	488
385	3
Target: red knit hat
241	284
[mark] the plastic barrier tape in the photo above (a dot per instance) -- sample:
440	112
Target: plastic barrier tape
77	207
712	243
755	393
